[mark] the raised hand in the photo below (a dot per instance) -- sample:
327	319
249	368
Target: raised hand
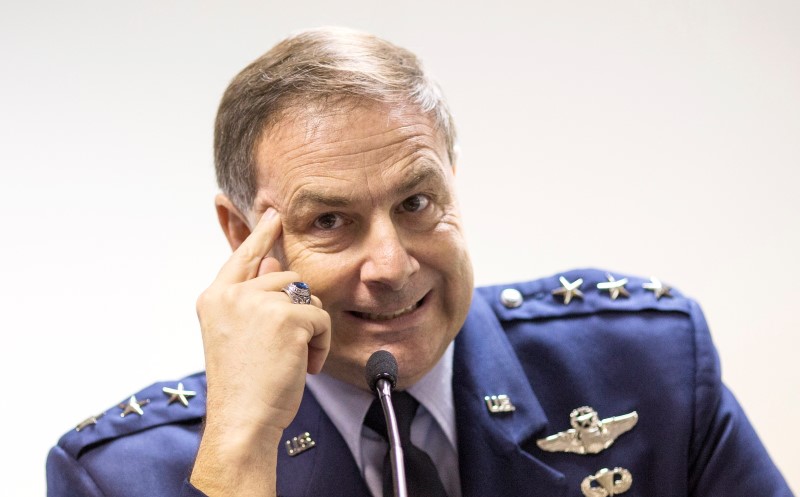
258	347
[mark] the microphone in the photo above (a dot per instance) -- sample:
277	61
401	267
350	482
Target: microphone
381	376
381	365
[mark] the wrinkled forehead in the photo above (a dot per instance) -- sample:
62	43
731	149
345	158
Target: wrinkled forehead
314	137
347	120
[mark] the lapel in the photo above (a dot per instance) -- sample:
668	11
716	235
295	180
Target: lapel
328	468
490	457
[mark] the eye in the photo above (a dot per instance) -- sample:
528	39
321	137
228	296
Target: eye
328	221
415	203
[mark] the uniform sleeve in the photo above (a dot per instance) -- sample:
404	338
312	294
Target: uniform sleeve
727	458
67	478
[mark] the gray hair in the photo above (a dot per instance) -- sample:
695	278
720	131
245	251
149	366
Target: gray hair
324	66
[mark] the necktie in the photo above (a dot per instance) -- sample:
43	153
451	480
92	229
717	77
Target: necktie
421	476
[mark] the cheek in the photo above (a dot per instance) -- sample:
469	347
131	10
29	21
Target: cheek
328	274
293	252
306	263
450	258
446	246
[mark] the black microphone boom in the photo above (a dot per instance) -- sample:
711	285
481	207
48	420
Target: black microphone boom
381	376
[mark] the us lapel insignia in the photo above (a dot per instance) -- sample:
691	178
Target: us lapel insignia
498	404
589	435
300	443
607	482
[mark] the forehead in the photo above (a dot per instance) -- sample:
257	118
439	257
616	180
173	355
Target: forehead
328	143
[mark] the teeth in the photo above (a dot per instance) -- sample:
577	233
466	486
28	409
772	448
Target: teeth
384	317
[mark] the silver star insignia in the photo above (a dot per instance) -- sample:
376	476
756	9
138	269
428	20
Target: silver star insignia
614	287
589	435
133	405
569	290
91	420
179	394
659	289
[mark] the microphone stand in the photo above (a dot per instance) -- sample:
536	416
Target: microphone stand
384	389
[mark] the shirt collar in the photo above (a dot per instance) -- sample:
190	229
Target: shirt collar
435	392
346	405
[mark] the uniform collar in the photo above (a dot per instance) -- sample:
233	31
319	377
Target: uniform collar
491	446
485	364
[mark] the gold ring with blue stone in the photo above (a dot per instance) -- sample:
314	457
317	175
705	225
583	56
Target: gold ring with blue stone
299	292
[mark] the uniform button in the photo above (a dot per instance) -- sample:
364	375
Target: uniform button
511	298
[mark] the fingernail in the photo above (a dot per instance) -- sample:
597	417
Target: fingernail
270	213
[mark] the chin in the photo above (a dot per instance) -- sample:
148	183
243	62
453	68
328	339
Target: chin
413	363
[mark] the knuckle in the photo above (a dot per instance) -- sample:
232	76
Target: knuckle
246	253
292	275
280	316
231	294
200	303
204	299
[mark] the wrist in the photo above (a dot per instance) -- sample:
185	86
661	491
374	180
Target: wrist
236	461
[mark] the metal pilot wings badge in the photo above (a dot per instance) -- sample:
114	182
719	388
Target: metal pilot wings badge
589	434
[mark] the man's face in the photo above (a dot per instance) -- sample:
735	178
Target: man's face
371	223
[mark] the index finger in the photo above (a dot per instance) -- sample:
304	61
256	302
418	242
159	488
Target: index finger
243	263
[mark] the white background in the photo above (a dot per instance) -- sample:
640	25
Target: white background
641	136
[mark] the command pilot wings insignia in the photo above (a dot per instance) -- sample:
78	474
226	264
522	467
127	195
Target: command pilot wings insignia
589	434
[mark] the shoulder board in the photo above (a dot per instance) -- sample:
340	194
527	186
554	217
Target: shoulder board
583	291
159	404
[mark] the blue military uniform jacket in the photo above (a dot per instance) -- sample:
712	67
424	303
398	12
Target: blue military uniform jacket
636	353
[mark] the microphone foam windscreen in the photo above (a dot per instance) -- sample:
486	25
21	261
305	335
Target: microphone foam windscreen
381	365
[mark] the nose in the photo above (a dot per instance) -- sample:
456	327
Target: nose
387	261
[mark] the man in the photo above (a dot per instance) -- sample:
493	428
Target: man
335	155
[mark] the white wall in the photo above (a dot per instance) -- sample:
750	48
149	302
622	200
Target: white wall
641	136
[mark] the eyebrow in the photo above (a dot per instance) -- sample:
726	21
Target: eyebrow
307	197
421	173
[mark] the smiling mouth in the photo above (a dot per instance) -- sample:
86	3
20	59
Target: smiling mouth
387	316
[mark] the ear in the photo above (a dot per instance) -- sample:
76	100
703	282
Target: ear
232	221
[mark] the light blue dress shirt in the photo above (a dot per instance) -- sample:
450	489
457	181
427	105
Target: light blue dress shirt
433	429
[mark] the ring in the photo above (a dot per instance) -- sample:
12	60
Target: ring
298	292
